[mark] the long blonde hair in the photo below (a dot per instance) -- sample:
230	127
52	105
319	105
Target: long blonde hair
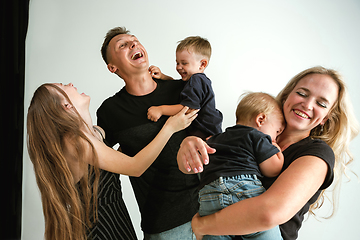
337	132
67	206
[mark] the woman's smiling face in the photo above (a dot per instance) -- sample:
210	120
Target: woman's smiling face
309	103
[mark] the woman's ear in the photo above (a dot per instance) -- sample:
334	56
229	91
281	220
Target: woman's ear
260	119
67	106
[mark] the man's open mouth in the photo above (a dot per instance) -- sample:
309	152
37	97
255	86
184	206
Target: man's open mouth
136	56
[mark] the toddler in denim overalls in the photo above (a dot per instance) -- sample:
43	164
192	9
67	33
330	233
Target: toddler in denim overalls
244	153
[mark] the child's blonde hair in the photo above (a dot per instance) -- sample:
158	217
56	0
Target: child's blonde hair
197	44
253	103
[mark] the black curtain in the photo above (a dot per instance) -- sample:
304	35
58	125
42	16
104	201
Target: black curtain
14	23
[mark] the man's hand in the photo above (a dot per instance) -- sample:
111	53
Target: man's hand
193	154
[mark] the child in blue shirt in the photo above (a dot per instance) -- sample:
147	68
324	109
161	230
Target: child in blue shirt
244	154
192	57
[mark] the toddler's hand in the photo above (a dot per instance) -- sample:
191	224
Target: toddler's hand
154	113
155	72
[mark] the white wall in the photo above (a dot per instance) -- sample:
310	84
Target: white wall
257	45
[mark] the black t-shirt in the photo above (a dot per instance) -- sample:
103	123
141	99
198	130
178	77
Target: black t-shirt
239	150
198	94
305	147
166	197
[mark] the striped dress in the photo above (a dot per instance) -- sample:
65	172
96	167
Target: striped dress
113	218
114	221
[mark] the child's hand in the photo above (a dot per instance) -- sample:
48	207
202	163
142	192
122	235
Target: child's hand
154	113
181	120
155	72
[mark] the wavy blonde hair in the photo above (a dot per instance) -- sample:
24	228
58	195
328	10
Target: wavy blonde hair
67	205
337	132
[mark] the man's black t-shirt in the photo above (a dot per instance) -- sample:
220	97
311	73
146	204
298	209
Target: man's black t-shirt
167	198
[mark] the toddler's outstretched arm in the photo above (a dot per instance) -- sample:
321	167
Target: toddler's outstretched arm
155	112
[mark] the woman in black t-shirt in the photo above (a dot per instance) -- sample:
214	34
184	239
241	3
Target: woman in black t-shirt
320	125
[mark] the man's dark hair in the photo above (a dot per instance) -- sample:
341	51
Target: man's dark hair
110	35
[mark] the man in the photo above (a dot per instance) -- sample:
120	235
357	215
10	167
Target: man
166	197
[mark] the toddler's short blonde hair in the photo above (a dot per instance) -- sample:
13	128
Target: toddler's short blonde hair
196	44
254	103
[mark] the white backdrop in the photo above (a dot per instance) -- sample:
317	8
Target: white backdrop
257	45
